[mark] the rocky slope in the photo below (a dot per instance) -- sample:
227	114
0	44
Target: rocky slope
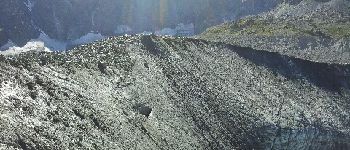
67	20
317	30
147	92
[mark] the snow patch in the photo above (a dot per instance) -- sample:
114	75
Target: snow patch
181	30
44	41
146	33
52	44
57	45
7	45
166	31
88	38
30	46
185	29
121	29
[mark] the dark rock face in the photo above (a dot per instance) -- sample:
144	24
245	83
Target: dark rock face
3	37
64	20
195	95
15	22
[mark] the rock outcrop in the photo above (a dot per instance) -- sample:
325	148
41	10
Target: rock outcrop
316	30
147	92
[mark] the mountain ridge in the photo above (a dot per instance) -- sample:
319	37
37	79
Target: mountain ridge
68	20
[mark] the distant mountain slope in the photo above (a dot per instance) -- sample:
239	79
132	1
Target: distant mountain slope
68	20
317	30
16	22
147	92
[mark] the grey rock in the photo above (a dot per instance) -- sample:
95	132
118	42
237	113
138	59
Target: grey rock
195	94
314	30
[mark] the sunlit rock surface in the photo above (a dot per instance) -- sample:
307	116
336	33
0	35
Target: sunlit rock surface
316	30
147	92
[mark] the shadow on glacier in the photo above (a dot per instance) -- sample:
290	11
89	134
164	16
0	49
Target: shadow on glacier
332	77
308	137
